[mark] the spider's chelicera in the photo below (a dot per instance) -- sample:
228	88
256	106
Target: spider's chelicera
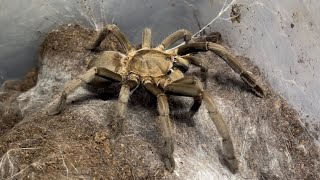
161	72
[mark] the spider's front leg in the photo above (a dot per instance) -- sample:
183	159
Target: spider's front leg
228	58
146	38
130	83
167	129
190	86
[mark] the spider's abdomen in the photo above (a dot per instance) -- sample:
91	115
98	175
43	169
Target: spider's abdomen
150	62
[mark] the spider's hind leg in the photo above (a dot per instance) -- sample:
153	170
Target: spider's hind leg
74	84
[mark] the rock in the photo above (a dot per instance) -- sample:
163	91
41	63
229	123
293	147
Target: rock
270	141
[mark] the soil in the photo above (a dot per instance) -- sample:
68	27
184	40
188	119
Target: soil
269	138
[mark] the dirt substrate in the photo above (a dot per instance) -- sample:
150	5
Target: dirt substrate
269	139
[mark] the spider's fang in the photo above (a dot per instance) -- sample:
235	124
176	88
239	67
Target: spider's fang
170	71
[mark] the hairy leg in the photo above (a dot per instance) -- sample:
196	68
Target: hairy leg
188	81
194	90
228	58
167	129
174	37
113	29
74	84
146	38
203	64
123	100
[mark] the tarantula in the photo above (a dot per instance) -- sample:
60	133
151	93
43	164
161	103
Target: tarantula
161	72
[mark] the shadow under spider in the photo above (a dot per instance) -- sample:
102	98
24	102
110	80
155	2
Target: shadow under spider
227	82
179	110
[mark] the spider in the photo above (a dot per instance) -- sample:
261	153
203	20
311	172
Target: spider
161	72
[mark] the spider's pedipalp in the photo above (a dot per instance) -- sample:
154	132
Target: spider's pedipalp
174	37
181	63
228	58
203	64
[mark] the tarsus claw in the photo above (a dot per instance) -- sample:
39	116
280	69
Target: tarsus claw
169	163
246	77
232	164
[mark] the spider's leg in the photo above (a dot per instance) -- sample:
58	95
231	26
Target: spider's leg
228	58
113	29
123	99
146	38
197	100
74	84
174	37
203	64
167	129
193	90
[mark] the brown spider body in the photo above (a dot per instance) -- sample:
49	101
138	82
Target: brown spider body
160	72
144	63
150	63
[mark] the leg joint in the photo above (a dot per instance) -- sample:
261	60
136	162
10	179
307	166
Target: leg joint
89	75
161	96
207	46
146	80
132	81
110	27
